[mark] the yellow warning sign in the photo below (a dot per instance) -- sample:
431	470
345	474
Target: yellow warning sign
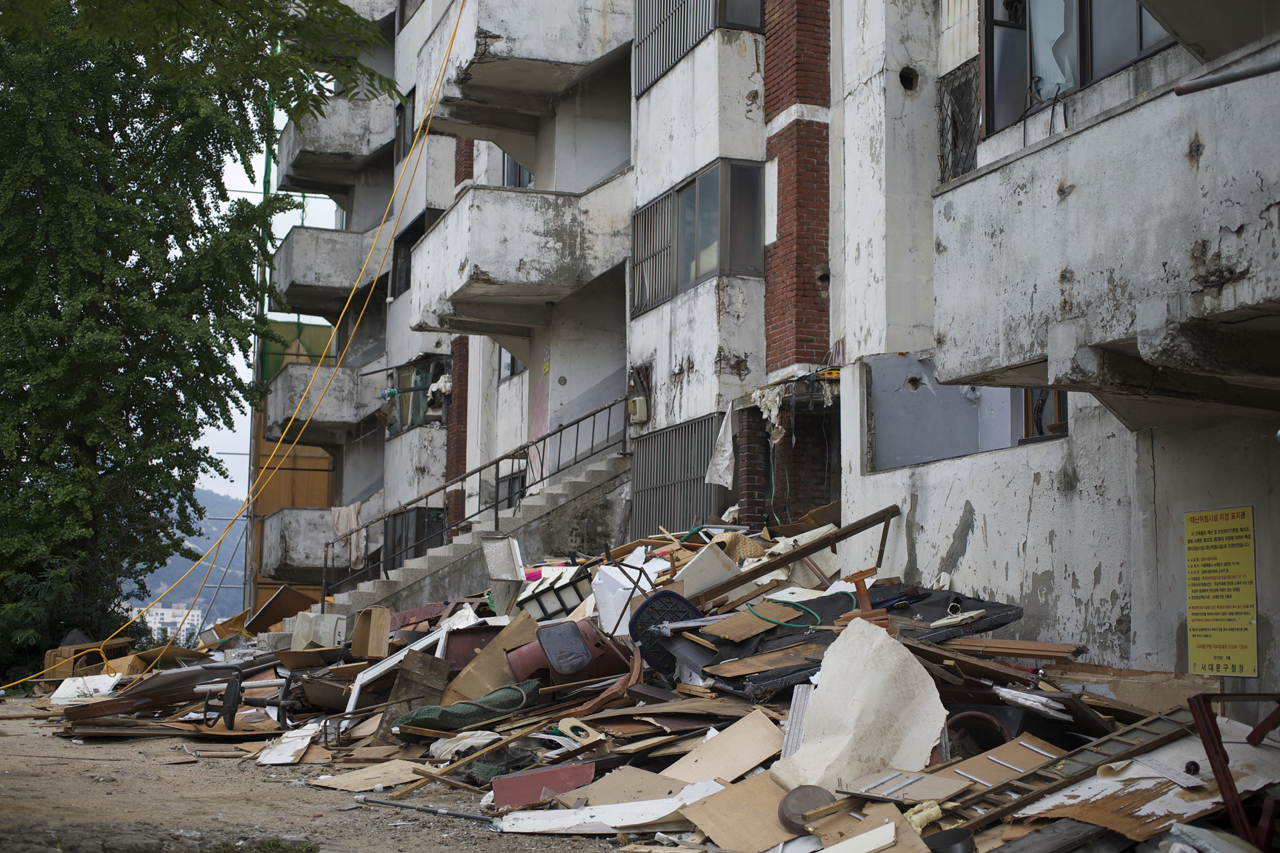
1222	602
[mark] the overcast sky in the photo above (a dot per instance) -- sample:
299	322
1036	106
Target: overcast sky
232	445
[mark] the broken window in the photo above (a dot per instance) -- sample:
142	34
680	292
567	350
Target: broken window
710	226
666	30
1036	51
419	394
509	365
513	174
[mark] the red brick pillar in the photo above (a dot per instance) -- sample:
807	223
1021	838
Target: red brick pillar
455	464
464	161
752	471
797	74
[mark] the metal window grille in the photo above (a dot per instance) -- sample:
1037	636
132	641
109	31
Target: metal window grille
668	470
665	31
653	269
958	111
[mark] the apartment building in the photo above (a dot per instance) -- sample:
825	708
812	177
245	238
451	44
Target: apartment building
973	258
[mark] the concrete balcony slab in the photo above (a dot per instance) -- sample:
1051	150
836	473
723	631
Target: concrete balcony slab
494	260
315	268
324	154
349	400
1132	255
293	545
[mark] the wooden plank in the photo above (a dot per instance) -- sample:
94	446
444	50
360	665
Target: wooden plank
791	656
1061	836
744	626
971	667
987	647
747	743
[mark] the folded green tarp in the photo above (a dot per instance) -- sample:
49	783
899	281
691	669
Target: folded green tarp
470	712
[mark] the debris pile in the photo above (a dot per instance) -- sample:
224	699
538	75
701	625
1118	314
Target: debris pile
718	689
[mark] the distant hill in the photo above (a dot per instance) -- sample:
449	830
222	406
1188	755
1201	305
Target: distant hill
229	601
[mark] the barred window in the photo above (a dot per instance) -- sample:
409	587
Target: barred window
711	225
666	30
958	121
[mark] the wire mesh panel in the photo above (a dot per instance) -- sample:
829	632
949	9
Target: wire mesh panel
668	471
958	112
653	279
665	31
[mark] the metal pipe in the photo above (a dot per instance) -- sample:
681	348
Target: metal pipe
1212	81
361	798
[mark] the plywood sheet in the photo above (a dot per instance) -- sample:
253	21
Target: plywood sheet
791	656
743	626
385	774
747	743
625	785
875	816
742	817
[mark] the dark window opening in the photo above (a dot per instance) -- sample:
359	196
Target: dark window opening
419	396
513	174
402	254
409	533
511	490
710	226
509	365
405	127
1037	51
1044	412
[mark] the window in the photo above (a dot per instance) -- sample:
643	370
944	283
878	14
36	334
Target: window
409	533
402	255
1044	412
1036	51
666	30
509	365
405	127
513	174
511	490
418	396
958	121
712	225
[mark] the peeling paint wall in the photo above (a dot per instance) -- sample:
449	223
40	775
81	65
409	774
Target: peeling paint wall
413	463
706	347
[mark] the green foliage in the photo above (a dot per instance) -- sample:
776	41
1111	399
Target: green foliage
127	287
299	51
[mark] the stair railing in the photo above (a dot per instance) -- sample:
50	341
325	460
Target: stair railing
528	465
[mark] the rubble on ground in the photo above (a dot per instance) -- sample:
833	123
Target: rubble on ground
713	689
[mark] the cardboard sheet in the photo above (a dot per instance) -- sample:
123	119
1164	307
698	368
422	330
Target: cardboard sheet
747	743
875	707
385	774
845	829
742	817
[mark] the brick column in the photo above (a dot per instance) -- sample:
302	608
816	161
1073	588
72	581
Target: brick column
752	468
464	161
797	75
455	464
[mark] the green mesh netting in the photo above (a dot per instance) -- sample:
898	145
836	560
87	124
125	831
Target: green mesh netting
469	712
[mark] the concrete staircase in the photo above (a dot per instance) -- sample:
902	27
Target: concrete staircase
579	509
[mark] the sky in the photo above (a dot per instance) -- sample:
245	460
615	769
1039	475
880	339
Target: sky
232	445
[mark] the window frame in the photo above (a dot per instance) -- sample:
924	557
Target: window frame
507	362
1062	422
725	221
1084	58
404	126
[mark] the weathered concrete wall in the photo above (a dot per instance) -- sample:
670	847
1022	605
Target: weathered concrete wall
315	268
362	464
706	347
1048	233
589	523
588	349
413	463
710	105
589	137
345	404
884	138
345	138
293	545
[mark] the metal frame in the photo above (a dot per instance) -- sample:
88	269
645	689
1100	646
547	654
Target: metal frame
540	459
1211	737
654	57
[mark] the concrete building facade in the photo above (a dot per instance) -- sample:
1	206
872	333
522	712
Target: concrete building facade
974	258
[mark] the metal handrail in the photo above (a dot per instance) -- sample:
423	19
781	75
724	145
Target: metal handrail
532	456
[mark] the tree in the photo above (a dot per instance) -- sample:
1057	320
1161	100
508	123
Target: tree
127	279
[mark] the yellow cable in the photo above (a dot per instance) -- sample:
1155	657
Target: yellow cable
255	490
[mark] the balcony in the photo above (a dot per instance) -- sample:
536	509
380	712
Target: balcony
349	401
1131	256
492	262
315	268
325	154
509	56
293	543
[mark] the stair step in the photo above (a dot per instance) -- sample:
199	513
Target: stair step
409	574
357	599
380	588
270	641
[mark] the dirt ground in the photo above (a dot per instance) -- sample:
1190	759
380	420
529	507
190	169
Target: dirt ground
114	795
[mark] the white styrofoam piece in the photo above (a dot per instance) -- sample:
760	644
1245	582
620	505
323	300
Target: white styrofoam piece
881	838
710	567
84	688
290	747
